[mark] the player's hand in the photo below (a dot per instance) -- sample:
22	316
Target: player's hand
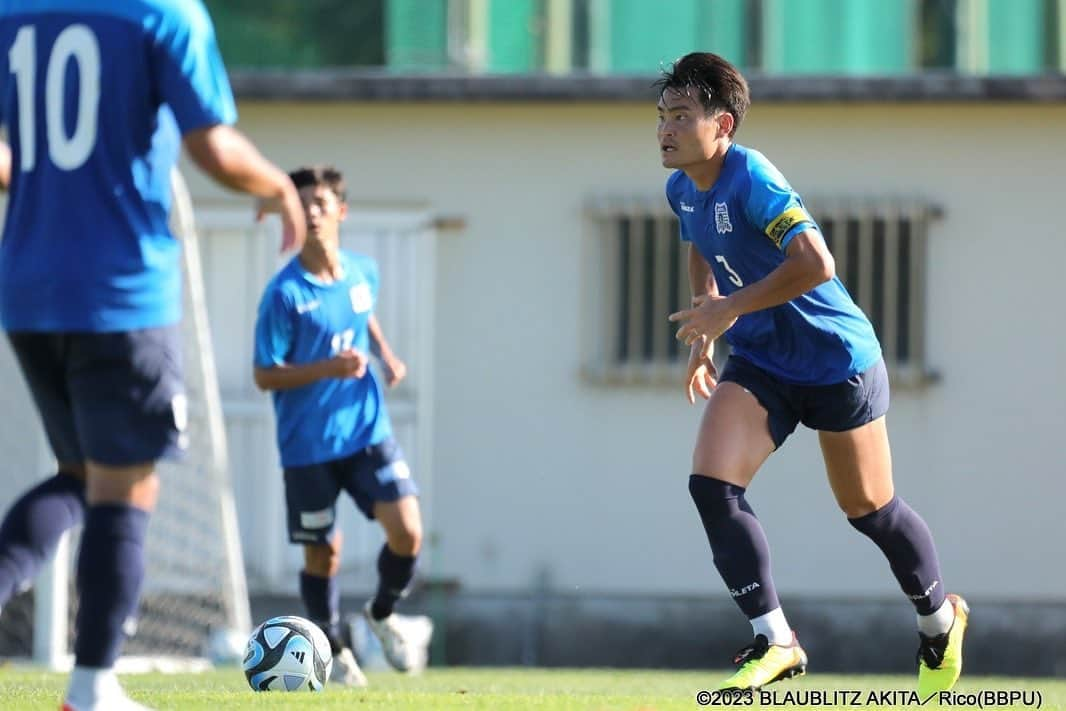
701	376
350	363
293	219
267	206
709	317
395	371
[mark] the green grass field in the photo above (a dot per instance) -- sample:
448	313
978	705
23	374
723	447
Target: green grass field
501	690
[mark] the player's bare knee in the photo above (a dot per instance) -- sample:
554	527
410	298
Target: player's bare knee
136	485
859	506
406	541
322	559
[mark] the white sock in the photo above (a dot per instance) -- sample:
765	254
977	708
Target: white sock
939	622
774	626
89	685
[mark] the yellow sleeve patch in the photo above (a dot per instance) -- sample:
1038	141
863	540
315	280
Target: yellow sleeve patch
788	219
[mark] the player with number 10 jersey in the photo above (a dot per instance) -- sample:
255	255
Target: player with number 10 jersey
95	110
98	97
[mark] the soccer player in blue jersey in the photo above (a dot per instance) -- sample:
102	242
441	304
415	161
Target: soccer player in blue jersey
316	326
98	98
802	351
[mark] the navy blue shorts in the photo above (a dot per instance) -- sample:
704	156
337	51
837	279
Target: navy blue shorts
838	407
375	473
117	399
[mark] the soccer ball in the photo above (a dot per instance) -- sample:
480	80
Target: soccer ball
287	654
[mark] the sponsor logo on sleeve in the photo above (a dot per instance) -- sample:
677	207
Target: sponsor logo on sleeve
784	222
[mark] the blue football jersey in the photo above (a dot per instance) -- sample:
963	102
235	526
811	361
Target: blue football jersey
95	96
302	320
742	227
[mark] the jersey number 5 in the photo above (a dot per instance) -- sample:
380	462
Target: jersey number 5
76	42
733	276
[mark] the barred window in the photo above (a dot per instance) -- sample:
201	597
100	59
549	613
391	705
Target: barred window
641	267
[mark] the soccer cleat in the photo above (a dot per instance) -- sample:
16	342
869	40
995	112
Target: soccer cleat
99	691
400	651
940	656
112	702
346	671
762	663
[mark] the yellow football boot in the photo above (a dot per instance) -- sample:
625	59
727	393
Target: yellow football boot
762	663
940	657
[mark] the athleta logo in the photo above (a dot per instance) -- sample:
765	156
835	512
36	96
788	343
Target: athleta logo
744	590
299	656
925	594
687	208
721	218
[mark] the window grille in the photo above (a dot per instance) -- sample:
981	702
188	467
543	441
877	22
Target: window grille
640	265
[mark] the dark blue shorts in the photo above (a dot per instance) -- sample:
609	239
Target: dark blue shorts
117	399
838	407
375	473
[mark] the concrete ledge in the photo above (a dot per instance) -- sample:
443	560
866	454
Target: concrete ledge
839	635
361	85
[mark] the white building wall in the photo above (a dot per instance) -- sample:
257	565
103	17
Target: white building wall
537	472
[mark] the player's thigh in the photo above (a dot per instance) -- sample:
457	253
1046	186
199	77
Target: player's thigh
734	439
850	419
127	395
402	522
378	474
311	493
42	359
859	465
748	416
136	485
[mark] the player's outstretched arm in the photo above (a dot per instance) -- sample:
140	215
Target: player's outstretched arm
5	166
395	369
346	364
229	157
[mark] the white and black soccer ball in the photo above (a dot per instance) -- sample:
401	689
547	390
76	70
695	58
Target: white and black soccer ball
287	654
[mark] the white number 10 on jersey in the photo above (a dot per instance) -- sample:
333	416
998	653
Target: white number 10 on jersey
76	42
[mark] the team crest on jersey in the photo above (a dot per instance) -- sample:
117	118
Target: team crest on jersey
362	301
721	218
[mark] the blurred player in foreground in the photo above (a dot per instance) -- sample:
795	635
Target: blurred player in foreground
98	99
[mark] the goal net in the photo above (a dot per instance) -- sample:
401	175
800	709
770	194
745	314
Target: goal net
194	590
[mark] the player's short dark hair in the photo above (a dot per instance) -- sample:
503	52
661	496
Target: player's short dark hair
710	79
325	176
